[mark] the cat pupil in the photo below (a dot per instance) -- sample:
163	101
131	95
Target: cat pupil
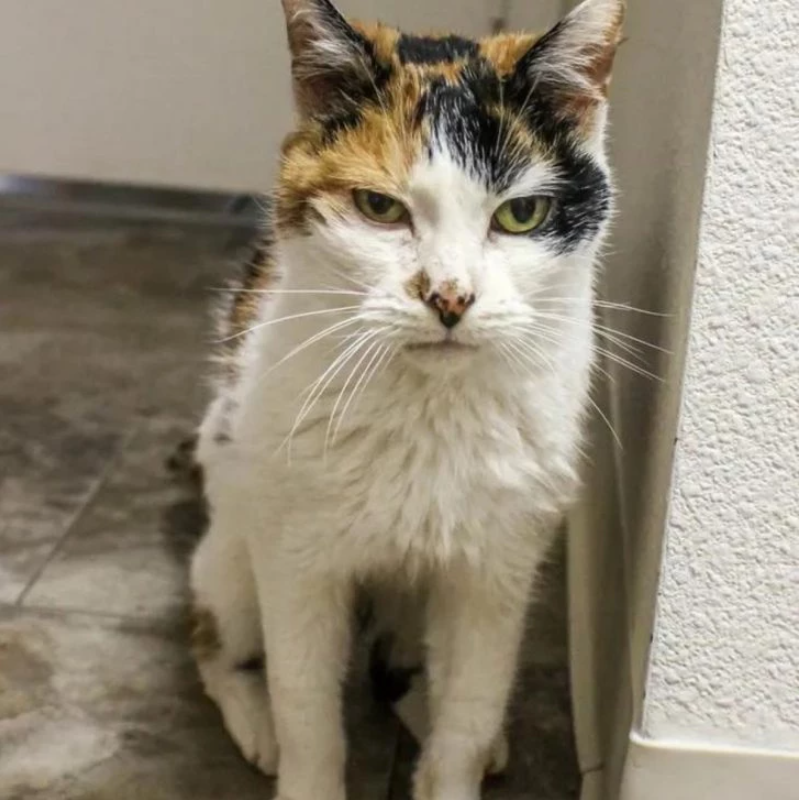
379	203
523	208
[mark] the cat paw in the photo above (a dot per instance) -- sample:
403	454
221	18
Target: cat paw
247	713
462	774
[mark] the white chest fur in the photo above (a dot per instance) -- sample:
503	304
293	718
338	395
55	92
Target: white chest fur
425	469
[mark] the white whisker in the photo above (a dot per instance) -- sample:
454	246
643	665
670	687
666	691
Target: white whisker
303	315
312	340
364	376
549	334
349	278
604	304
610	333
233	290
317	389
353	371
592	402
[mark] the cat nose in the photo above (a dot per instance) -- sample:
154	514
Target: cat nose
450	304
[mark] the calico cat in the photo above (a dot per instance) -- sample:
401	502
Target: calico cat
404	378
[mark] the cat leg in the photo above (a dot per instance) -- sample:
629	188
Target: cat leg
228	644
474	634
307	629
397	660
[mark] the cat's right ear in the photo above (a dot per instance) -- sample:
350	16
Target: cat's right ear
330	62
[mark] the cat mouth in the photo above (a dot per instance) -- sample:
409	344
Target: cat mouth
441	346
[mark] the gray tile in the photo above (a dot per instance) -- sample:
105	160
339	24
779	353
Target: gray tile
127	554
93	709
96	710
113	314
99	323
53	456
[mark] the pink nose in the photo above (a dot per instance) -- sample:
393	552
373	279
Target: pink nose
450	304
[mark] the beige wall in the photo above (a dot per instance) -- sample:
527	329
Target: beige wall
167	92
662	101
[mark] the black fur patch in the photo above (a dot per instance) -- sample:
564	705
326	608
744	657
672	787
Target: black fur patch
463	123
337	24
432	50
352	95
582	204
342	92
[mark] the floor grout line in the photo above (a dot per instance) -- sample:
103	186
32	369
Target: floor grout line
98	484
144	621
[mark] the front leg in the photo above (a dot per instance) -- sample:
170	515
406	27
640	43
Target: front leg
306	617
475	628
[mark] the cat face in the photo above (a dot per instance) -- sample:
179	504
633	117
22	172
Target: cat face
461	185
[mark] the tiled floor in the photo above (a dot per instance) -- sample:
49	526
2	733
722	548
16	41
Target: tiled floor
103	335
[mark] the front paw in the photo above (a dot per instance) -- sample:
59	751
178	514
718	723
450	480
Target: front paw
448	779
310	784
337	795
455	775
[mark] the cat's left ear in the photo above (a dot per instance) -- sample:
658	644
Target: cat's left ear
330	61
573	61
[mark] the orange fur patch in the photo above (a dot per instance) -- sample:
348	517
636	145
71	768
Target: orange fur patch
504	51
383	38
319	173
376	154
418	286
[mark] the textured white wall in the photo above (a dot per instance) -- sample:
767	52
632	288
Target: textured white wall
725	660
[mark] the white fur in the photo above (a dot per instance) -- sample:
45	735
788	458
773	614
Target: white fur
447	474
589	26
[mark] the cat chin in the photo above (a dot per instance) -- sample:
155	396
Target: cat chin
441	358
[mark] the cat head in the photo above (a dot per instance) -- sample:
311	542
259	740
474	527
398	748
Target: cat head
460	185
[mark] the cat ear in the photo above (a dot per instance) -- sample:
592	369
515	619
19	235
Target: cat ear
575	58
330	63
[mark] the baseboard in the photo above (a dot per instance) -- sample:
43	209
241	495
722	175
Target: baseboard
659	770
124	201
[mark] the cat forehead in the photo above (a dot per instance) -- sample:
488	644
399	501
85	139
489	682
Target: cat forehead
433	94
444	54
432	51
430	101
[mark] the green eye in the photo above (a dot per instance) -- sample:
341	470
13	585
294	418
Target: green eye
379	207
522	214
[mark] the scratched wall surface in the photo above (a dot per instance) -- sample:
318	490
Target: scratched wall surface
725	660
